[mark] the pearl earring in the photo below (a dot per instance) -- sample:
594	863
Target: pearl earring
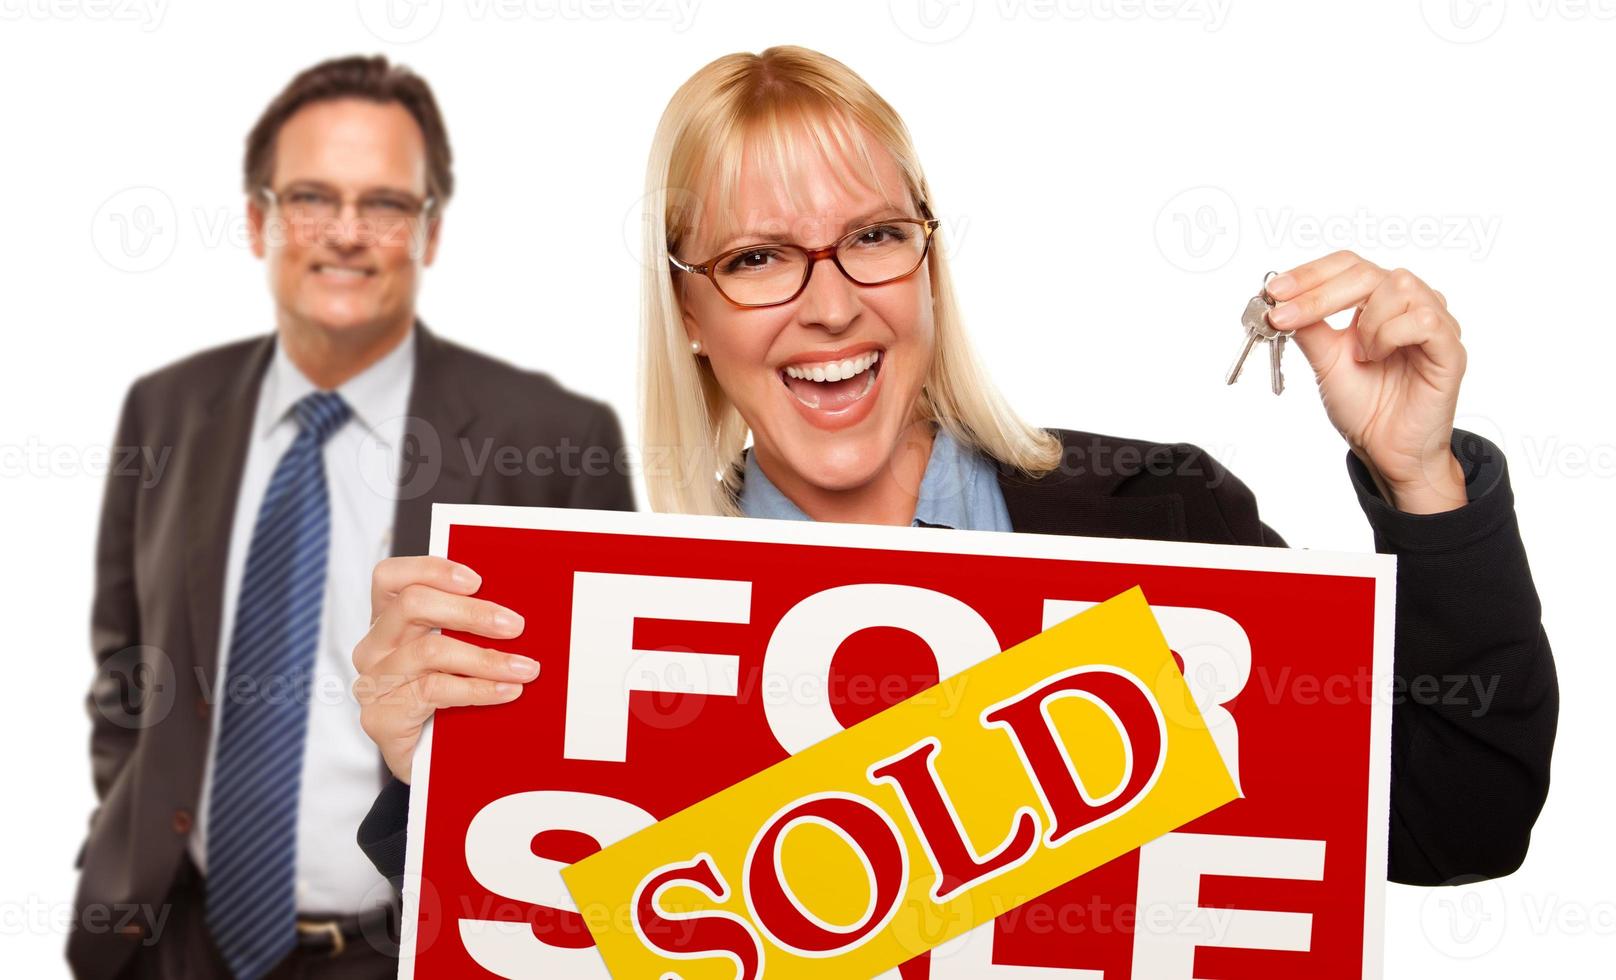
695	347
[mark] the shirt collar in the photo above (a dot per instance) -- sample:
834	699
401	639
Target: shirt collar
378	395
946	489
761	498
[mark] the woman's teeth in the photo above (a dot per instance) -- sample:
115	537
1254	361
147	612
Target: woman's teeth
832	385
852	367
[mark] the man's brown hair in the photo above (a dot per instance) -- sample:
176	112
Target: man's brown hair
355	77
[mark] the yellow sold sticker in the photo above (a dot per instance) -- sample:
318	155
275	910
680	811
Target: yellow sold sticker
922	822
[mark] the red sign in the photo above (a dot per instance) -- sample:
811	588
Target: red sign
680	655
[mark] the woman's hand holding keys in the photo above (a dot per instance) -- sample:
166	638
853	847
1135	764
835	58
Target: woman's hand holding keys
1390	380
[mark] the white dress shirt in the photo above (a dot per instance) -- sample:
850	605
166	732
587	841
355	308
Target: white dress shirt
342	770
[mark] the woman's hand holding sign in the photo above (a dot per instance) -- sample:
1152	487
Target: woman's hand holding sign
1390	381
407	669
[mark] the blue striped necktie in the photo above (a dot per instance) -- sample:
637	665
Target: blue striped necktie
264	714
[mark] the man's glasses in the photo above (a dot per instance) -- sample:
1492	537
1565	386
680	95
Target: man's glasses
316	204
773	274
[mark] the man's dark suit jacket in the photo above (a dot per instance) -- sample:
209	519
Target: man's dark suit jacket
160	565
1466	786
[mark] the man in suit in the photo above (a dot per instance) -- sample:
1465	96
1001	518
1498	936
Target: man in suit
232	586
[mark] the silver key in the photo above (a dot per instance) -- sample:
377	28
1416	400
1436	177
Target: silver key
1276	350
1255	320
1258	330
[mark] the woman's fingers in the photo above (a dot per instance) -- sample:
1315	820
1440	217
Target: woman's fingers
1308	275
1405	312
1427	327
401	691
448	691
437	653
1347	288
447	655
1402	295
397	716
418	609
392	575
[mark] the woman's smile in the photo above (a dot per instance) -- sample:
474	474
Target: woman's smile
837	388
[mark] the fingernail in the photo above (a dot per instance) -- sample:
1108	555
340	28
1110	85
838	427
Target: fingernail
524	667
465	578
1282	315
507	690
508	622
1280	284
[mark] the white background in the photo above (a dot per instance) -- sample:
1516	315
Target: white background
1114	176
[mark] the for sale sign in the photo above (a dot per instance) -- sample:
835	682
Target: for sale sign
682	655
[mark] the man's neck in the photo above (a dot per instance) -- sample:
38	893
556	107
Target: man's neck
329	358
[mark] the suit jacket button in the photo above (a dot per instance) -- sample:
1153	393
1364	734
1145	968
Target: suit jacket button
182	822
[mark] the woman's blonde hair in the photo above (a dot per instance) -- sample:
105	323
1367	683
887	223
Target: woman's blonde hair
765	104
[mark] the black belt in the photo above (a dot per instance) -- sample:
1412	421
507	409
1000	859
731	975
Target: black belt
331	936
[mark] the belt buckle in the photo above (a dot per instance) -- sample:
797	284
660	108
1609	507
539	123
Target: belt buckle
327	928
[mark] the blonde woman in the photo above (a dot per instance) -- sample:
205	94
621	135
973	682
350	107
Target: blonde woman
804	303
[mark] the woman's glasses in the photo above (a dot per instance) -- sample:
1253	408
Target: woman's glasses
773	274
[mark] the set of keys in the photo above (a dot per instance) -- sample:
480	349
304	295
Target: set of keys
1255	320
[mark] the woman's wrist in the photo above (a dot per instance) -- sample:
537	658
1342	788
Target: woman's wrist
1441	489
